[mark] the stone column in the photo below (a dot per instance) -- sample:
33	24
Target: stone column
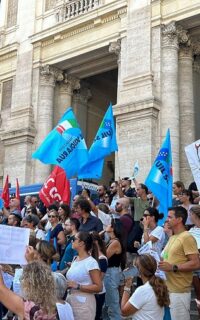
196	82
65	90
186	103
169	89
48	77
80	106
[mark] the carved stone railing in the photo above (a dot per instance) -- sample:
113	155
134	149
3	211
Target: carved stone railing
75	8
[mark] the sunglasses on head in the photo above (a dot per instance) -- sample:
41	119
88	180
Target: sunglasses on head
146	215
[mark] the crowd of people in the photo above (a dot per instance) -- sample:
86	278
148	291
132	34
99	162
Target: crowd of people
108	257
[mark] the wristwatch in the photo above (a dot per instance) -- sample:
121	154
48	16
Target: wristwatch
174	268
78	286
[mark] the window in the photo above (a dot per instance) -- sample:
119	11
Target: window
12	13
49	4
6	94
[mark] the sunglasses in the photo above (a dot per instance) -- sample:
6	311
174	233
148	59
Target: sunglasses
52	216
74	239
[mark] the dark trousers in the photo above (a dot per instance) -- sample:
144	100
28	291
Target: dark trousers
100	298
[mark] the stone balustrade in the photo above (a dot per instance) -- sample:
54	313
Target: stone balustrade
75	8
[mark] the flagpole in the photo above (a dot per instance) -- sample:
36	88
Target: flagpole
118	166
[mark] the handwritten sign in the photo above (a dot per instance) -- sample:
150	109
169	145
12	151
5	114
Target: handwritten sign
13	243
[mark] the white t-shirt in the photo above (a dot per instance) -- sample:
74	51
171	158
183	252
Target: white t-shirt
64	311
195	232
144	299
79	270
39	234
158	233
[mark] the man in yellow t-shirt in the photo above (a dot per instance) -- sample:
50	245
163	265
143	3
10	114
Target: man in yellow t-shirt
180	258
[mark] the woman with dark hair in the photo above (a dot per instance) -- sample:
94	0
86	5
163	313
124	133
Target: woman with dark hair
186	199
148	301
116	255
63	212
44	251
153	232
103	265
83	277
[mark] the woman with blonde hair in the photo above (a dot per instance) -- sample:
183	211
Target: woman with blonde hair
148	301
38	290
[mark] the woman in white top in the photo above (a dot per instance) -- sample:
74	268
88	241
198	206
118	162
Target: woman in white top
152	232
148	301
84	278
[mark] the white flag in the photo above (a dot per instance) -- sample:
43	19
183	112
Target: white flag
193	155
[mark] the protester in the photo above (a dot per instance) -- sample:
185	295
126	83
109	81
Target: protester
27	205
39	296
103	264
180	258
186	199
141	202
14	220
127	190
88	222
71	229
55	234
63	213
83	277
31	221
116	255
153	232
122	208
178	188
148	301
44	251
114	193
101	195
64	309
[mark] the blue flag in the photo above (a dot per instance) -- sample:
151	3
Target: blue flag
160	178
64	146
104	144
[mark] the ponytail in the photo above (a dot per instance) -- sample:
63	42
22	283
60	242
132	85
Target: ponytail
160	290
94	252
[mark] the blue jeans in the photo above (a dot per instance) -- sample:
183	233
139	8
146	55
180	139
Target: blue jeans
112	308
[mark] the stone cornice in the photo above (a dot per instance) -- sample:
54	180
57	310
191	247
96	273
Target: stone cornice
104	14
139	109
9	51
13	137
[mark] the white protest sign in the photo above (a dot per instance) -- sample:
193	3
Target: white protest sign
13	243
193	155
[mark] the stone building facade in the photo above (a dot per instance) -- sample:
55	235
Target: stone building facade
143	55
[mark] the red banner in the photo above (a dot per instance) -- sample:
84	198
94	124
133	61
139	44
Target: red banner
56	188
5	193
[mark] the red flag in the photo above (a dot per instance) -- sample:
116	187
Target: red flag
5	194
56	188
17	194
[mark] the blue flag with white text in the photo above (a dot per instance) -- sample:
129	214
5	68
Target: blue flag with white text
64	146
104	144
160	178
